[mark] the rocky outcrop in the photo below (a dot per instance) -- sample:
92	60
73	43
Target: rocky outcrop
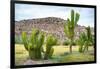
50	25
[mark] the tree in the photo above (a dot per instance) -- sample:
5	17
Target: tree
70	26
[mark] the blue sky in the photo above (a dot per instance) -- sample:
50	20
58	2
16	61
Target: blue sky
26	11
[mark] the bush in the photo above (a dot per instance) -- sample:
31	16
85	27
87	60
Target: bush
66	42
74	43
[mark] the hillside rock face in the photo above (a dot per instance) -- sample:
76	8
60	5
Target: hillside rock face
50	25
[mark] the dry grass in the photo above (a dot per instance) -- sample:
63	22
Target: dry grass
21	55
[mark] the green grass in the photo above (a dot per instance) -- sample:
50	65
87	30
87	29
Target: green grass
79	57
61	54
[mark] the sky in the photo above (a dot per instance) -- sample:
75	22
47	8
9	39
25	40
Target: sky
26	11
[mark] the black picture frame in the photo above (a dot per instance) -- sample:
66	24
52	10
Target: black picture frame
12	32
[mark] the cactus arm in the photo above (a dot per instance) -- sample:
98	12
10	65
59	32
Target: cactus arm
40	40
77	16
72	18
25	41
51	41
34	44
51	53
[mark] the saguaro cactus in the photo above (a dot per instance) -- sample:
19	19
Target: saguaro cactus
34	44
50	42
70	26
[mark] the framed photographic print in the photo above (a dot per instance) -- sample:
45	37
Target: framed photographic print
50	34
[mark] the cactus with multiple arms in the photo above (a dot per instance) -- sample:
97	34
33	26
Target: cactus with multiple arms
82	41
70	26
85	39
34	44
89	38
50	42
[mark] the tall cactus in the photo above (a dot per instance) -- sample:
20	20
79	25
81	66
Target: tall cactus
34	44
70	26
50	42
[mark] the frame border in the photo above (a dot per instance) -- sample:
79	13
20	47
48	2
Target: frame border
12	33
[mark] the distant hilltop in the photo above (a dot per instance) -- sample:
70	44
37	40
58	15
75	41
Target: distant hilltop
50	25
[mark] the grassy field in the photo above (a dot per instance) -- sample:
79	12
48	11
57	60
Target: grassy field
61	54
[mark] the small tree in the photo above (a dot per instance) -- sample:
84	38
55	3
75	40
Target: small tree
70	26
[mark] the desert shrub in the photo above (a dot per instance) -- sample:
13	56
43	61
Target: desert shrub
74	43
66	42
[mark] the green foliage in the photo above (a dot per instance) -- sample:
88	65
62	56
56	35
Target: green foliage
89	38
50	42
82	41
74	43
34	44
70	26
25	40
92	41
85	40
79	57
66	42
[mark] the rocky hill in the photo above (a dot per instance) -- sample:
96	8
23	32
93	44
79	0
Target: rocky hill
50	25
